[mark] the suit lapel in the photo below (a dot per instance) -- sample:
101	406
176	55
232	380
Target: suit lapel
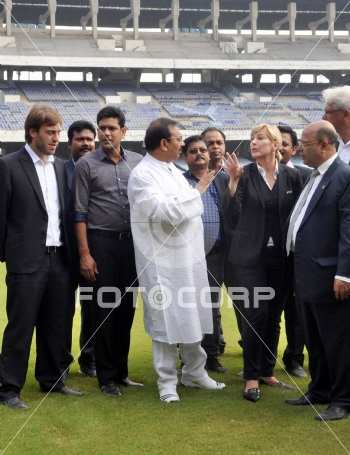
70	171
30	170
281	184
325	181
60	182
255	175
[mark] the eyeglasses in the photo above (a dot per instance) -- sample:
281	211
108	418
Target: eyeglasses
195	151
178	139
331	112
306	144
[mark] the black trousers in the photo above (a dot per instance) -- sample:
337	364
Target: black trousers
229	282
34	300
293	355
116	266
215	266
326	329
86	342
261	322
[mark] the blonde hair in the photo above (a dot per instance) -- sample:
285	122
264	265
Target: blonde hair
273	133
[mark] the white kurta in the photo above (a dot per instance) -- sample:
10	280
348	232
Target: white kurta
169	249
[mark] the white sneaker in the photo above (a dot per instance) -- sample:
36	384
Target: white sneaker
168	396
206	383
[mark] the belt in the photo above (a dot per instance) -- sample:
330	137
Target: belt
52	249
113	234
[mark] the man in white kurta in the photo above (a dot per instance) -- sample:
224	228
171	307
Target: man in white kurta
169	250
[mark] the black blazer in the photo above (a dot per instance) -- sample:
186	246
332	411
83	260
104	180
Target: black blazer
322	244
305	172
221	181
248	209
23	216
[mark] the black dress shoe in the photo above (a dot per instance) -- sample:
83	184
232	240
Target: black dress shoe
87	370
64	374
332	413
279	384
66	391
304	400
14	403
298	372
111	389
128	383
213	364
252	395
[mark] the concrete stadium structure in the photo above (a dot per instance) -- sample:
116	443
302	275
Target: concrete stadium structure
222	40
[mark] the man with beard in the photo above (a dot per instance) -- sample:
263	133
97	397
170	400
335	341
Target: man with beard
35	247
81	141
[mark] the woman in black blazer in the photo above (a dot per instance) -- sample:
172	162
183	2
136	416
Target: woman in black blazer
259	200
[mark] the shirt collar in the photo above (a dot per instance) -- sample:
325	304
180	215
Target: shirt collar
289	164
102	154
341	142
327	164
263	172
35	157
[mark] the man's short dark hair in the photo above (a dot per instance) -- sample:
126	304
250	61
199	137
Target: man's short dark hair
190	140
158	130
78	127
326	134
114	112
293	135
38	116
212	128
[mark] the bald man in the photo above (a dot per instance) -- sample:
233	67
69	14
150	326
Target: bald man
319	237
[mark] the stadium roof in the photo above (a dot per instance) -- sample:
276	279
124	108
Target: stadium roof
69	12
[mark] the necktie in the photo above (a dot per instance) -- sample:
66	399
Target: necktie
298	208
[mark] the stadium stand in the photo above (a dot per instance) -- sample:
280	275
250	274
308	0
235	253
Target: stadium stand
40	91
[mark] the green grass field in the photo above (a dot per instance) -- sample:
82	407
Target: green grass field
138	423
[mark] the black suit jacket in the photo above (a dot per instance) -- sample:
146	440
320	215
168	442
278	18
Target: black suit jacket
322	244
221	181
305	172
23	215
248	209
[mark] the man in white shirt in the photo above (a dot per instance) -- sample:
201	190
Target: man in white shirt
34	245
337	112
319	236
170	260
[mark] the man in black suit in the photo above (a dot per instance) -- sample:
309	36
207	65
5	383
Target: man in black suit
81	140
196	156
293	356
318	233
33	243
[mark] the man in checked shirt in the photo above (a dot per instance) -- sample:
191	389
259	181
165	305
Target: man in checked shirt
196	156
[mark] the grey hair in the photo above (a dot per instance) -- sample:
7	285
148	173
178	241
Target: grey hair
338	96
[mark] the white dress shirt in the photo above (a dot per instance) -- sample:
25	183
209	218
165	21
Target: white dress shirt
48	182
344	150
